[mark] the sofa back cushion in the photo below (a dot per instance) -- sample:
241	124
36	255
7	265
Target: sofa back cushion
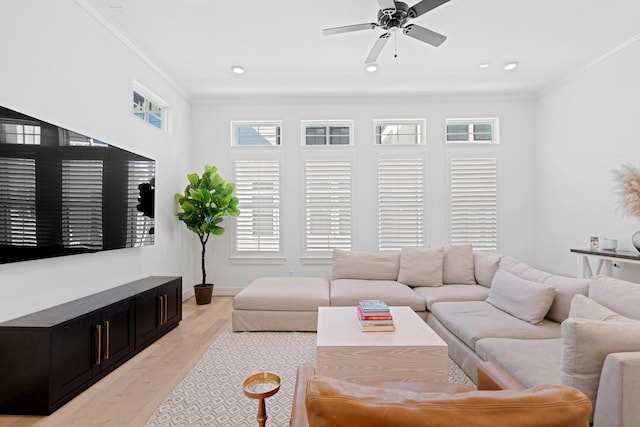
526	300
585	345
336	403
485	265
523	270
566	288
421	266
365	265
585	308
457	266
618	295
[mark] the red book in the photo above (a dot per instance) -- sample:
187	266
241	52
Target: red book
364	316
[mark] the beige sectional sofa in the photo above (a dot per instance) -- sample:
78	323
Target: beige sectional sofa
539	327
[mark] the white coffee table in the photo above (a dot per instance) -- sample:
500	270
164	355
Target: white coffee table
413	352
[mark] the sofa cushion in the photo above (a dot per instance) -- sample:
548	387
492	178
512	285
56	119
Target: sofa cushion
528	301
457	266
421	266
528	361
585	345
471	321
284	294
522	270
331	402
585	308
485	265
347	292
620	296
365	265
451	293
566	288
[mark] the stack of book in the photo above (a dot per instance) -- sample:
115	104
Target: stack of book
374	316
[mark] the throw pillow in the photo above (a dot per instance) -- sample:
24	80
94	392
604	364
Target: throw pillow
485	266
585	345
421	266
457	266
528	301
365	265
585	308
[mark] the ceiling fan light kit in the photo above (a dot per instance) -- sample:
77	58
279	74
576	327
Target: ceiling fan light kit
394	16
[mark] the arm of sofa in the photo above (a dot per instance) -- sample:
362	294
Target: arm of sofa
492	377
298	408
619	391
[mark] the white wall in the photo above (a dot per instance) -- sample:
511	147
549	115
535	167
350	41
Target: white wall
62	66
586	128
212	143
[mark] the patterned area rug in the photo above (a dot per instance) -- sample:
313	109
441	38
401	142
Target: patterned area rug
211	393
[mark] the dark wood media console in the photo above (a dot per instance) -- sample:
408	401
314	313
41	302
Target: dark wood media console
49	357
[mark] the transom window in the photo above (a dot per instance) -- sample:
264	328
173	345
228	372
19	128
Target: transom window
263	133
148	108
466	131
19	132
399	132
327	133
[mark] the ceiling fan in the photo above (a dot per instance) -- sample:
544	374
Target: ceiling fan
393	16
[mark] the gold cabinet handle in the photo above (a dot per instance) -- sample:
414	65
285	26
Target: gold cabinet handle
166	308
99	335
106	353
160	310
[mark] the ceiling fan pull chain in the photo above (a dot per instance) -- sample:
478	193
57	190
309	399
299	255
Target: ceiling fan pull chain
395	44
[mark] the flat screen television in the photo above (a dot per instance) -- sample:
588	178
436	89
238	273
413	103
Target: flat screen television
63	193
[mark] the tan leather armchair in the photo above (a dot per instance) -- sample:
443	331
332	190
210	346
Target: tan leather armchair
499	401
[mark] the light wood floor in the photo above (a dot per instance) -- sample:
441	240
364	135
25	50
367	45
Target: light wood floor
130	394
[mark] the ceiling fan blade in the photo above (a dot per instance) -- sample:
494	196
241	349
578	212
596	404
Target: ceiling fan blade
424	6
348	28
377	48
424	34
388	5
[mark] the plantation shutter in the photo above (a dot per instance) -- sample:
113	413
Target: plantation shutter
139	225
474	202
82	197
258	192
18	216
327	205
400	203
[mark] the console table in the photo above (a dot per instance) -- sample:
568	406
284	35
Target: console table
605	259
49	357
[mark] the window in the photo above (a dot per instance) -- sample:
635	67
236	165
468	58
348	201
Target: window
327	133
148	109
327	206
466	131
256	133
399	132
474	201
257	231
400	203
19	132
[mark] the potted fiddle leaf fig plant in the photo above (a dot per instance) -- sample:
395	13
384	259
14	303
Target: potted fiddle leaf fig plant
207	199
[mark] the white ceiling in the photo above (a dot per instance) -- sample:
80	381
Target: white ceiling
281	46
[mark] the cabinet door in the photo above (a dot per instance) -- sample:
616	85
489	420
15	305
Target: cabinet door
148	305
74	352
118	325
172	293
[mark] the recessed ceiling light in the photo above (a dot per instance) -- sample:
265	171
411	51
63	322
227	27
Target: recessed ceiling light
511	65
484	65
237	69
371	68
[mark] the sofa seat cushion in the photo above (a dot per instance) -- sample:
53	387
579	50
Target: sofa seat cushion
530	362
471	321
452	293
284	294
347	292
